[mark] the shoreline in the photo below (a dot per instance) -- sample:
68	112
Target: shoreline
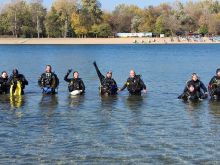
102	41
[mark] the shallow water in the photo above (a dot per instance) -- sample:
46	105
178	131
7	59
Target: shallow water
155	128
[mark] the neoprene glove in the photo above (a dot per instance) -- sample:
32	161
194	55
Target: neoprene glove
69	71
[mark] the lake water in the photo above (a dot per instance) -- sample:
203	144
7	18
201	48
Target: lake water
155	128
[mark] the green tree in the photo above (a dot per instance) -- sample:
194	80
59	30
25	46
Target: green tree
19	18
160	25
53	24
38	14
4	24
102	30
92	8
149	20
203	30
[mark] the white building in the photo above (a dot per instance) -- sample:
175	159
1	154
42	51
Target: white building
128	35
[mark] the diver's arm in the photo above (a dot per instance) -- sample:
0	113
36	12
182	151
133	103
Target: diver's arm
66	77
82	86
115	84
40	84
142	84
186	87
55	81
1	81
211	82
24	81
125	86
100	75
9	82
203	87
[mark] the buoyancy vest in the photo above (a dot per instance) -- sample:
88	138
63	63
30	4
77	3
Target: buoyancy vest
134	85
75	84
49	80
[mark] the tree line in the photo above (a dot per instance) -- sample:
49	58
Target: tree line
85	18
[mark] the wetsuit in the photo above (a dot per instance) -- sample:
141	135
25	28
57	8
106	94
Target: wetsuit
48	82
214	87
4	86
14	79
108	85
74	83
197	93
134	85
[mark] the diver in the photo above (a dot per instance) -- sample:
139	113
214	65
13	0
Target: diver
17	83
214	86
194	89
108	84
134	84
76	85
4	86
48	81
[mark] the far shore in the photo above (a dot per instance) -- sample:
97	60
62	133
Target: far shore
99	41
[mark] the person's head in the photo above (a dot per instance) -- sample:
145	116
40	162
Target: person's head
191	88
218	72
15	72
195	77
48	69
109	74
4	74
132	74
76	74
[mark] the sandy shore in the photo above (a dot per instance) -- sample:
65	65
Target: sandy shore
73	41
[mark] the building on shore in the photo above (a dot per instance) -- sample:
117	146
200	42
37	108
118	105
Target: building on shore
130	35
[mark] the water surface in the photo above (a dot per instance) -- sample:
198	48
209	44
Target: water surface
155	128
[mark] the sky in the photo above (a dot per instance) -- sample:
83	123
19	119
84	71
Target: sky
109	5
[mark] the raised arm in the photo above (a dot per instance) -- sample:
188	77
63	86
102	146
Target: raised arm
66	76
100	75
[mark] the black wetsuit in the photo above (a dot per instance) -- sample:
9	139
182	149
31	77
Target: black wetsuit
74	83
214	86
108	85
48	80
4	86
197	93
14	79
134	85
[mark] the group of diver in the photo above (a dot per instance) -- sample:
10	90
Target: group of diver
196	90
49	82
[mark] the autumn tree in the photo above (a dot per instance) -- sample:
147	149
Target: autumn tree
86	16
125	17
65	8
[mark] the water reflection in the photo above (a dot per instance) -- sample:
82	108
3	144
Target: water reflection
193	105
109	101
4	100
17	101
76	101
214	107
135	102
49	102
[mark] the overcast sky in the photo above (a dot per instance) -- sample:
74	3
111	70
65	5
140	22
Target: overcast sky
109	5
